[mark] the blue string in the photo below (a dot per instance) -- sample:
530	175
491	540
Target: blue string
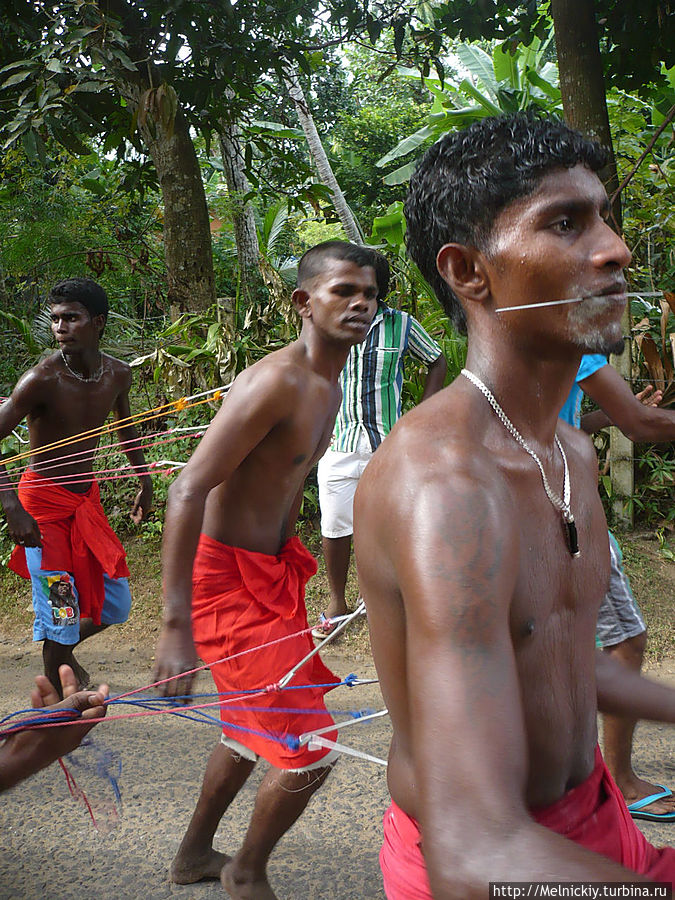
103	763
200	716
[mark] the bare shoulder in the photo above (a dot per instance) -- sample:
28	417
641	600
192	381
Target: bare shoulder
429	521
442	470
578	442
38	379
279	375
120	370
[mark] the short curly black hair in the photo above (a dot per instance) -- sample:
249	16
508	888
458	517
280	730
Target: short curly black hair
81	290
469	176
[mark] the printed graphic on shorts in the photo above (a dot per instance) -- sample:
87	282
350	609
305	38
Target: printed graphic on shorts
62	600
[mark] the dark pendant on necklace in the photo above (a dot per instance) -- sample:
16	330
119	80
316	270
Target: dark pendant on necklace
572	537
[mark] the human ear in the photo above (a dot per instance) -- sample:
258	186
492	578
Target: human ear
463	269
300	300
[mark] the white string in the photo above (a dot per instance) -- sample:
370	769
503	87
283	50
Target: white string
344	621
308	735
316	742
576	300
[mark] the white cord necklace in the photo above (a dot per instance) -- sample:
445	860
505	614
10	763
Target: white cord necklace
560	503
78	375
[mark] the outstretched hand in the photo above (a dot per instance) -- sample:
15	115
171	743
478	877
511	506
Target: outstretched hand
649	397
27	752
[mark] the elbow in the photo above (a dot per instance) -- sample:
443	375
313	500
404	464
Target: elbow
183	492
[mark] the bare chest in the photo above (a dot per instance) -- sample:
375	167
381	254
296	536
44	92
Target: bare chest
72	410
557	595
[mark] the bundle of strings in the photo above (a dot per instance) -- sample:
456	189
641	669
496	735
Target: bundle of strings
144	442
98	769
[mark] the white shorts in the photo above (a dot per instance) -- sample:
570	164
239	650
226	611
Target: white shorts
338	475
239	751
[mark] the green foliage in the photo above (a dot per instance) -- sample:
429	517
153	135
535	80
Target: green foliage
453	345
76	216
510	79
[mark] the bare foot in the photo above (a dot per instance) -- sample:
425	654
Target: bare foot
637	789
239	887
188	870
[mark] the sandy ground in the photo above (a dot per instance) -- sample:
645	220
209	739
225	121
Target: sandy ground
52	851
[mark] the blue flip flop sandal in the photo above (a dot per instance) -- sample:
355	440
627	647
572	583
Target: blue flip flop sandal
637	809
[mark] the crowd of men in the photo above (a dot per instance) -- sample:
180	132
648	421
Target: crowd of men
481	545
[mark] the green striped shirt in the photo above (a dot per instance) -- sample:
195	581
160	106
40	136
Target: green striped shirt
372	379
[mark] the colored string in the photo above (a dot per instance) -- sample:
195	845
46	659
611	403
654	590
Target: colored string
144	442
136	418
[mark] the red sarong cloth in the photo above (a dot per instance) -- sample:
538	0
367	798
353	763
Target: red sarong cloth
76	537
240	600
593	814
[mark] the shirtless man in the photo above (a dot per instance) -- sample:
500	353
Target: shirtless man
56	518
242	489
482	615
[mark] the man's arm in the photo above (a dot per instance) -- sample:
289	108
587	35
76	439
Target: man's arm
638	421
624	692
256	402
596	420
127	432
456	568
26	752
26	396
435	377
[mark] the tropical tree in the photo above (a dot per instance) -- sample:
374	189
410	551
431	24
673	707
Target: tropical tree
316	149
76	69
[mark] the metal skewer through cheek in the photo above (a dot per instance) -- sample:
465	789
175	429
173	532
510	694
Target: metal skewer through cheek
576	300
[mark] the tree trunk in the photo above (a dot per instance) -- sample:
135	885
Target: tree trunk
321	162
245	235
187	235
582	83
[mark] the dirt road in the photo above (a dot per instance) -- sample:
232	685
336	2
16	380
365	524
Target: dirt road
52	852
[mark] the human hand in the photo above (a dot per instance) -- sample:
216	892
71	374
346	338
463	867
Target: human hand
23	529
26	752
90	703
142	503
175	654
647	398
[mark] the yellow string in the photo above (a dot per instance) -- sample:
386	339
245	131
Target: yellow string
178	405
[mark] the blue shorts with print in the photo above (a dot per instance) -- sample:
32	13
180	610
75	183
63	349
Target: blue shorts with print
56	602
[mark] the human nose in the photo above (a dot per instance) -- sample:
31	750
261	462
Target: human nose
612	249
360	301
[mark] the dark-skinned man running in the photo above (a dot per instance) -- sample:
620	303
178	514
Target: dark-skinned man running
66	547
240	583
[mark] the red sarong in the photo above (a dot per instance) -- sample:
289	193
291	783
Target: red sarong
240	600
76	537
593	814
